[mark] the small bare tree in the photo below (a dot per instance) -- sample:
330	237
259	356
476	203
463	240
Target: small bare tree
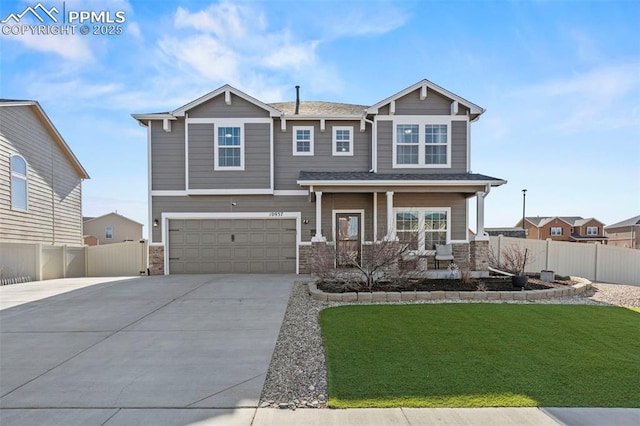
512	259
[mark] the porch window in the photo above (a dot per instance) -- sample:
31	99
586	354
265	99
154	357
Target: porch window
592	230
342	140
423	228
229	148
302	140
18	183
556	230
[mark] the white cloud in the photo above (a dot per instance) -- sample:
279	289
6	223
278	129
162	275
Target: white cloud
366	22
71	47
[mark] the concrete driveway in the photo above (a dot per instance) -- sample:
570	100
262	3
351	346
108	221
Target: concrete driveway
90	351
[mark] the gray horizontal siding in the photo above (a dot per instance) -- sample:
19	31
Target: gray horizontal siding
244	203
433	104
167	156
217	108
458	150
202	157
288	166
54	187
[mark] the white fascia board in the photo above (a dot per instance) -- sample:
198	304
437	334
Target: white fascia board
400	183
290	192
475	109
252	191
147	117
323	117
222	91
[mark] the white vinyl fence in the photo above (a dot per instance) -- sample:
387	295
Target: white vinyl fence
22	261
596	262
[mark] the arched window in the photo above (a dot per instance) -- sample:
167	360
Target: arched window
18	182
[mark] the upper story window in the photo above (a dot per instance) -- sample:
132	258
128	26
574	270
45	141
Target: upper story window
302	140
108	232
229	148
423	228
18	183
592	230
342	140
422	142
556	230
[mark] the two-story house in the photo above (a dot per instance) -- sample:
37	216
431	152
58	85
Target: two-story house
110	228
625	233
564	228
239	185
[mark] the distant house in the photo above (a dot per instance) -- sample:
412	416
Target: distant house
110	228
40	179
507	232
625	233
564	228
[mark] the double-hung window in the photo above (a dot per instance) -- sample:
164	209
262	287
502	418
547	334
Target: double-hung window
422	142
592	230
108	232
302	140
342	140
18	183
423	228
407	144
229	148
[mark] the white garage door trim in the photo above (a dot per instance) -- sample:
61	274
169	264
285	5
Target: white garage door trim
275	215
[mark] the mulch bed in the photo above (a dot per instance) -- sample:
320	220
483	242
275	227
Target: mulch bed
426	284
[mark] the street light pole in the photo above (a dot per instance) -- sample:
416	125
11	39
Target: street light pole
524	196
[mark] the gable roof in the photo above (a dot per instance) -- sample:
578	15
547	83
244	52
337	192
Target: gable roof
540	221
89	219
629	222
223	91
473	108
57	137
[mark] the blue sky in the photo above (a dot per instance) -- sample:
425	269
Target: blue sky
560	82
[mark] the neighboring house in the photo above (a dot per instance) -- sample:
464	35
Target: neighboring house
625	233
238	185
507	232
40	179
110	228
564	228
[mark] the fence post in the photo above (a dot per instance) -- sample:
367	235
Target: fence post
546	256
595	264
499	254
38	257
64	261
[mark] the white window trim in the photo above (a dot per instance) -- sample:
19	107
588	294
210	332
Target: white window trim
216	155
421	212
106	233
295	140
24	177
592	233
421	121
554	234
335	141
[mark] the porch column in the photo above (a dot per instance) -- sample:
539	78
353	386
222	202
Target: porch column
391	229
318	237
480	233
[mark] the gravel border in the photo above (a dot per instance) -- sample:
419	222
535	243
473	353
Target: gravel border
297	375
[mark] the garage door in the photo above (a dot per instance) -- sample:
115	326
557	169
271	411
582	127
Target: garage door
211	246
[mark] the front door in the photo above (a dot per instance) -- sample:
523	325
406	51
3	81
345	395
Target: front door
348	239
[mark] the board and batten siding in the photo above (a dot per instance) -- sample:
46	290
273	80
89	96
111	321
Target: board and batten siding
288	166
224	204
203	155
458	131
54	207
167	156
217	107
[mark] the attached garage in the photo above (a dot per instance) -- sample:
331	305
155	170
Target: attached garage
212	246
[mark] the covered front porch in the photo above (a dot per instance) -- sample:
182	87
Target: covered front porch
421	211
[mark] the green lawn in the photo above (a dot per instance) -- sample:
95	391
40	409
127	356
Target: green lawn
482	355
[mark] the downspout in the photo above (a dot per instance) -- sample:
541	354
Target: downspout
374	144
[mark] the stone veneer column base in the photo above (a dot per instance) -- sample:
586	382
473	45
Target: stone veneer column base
156	260
479	255
461	256
305	255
